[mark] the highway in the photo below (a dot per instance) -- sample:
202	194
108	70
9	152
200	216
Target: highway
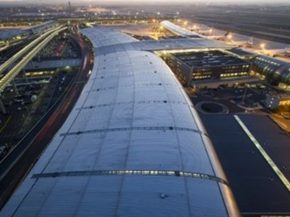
26	49
4	48
47	37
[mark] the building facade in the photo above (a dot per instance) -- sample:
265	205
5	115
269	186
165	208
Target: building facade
207	65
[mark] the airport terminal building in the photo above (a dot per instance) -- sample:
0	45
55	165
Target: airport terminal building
133	145
274	70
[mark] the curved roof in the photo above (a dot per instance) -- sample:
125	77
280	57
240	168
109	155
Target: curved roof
101	37
278	69
132	146
178	30
108	40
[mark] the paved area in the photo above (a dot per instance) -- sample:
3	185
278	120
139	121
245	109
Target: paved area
236	99
256	187
274	140
284	123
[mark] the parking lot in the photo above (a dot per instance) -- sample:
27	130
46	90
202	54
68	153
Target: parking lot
26	104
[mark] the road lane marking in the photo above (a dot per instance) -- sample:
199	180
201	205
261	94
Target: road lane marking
264	153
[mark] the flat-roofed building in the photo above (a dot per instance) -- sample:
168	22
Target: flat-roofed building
206	65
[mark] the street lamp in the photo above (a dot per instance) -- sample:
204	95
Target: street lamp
210	31
229	36
263	46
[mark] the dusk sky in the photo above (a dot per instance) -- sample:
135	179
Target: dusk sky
156	1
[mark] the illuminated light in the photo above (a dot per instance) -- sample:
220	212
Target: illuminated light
263	46
230	36
134	173
194	27
185	23
264	153
67	68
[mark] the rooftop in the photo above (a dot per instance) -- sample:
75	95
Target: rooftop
132	146
178	30
9	33
241	52
213	58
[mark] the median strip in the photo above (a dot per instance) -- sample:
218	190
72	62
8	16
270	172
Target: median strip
264	153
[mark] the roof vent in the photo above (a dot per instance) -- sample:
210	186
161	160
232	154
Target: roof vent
163	196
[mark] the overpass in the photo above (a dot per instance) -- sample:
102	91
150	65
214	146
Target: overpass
36	46
26	49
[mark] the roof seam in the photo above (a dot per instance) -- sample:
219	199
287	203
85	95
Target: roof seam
146	128
128	172
132	102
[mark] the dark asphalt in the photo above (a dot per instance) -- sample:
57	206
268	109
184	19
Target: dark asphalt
256	187
274	140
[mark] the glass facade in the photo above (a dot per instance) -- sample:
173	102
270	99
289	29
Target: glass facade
275	70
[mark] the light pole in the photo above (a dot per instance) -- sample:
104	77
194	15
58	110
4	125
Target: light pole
263	46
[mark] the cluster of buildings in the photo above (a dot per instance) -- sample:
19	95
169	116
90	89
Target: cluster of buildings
141	157
214	64
209	67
